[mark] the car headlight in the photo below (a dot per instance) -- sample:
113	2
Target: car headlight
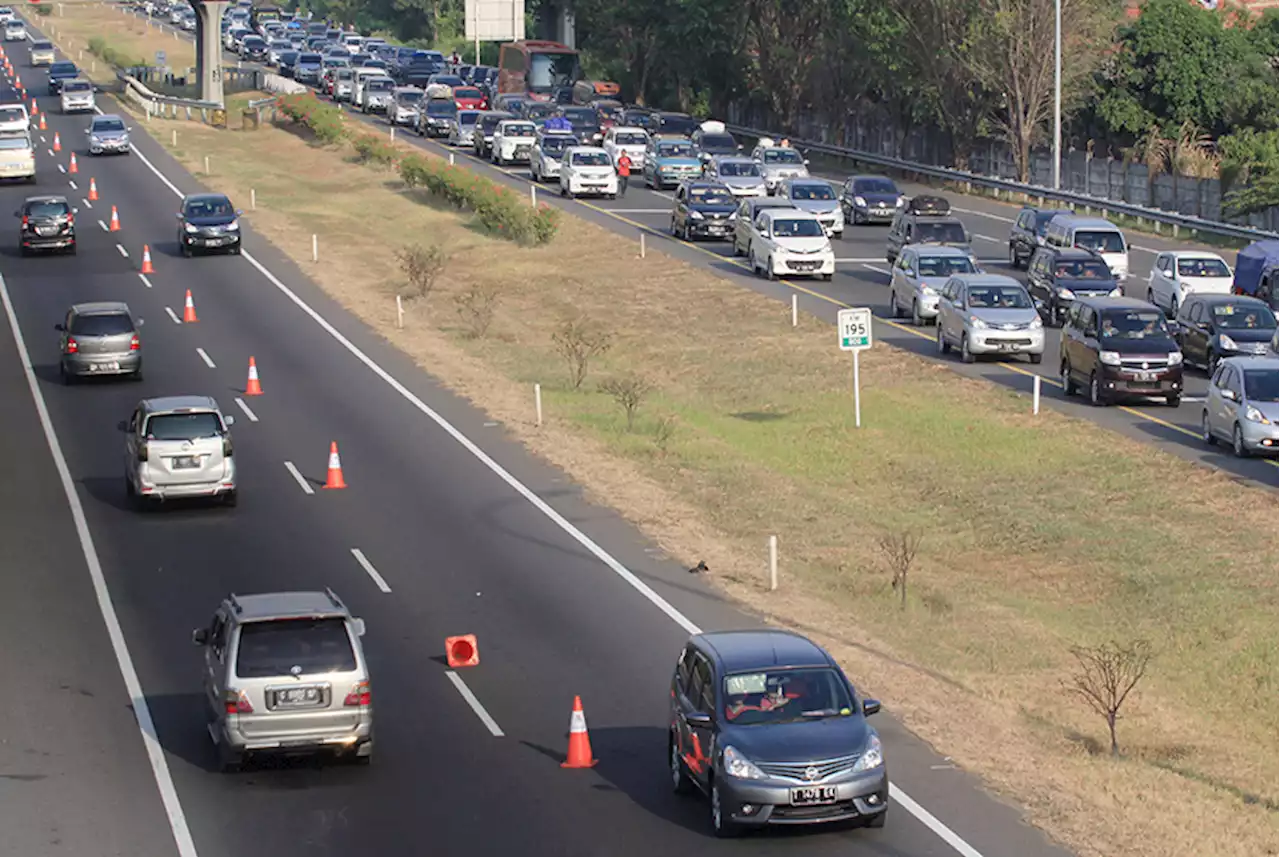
872	757
1254	415
1117	292
1066	294
977	323
1111	358
191	228
95	140
233	226
696	215
1036	323
858	200
1226	342
1175	358
902	200
927	290
738	765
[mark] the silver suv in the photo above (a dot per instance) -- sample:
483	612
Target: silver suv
284	674
179	446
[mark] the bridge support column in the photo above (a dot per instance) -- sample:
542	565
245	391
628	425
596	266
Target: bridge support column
565	31
209	48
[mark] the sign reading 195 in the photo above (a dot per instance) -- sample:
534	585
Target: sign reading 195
855	328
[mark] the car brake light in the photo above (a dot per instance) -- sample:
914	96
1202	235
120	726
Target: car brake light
359	695
237	702
72	346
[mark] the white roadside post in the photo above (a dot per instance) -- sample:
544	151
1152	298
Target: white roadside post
855	335
1035	396
451	159
533	195
773	563
399	312
253	199
315	248
537	402
206	166
795	309
641	243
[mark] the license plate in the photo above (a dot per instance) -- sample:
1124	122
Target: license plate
186	462
46	230
111	366
1007	346
522	151
813	795
1146	376
295	697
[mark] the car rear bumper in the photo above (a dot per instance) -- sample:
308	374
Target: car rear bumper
102	364
188	490
358	738
749	803
38	242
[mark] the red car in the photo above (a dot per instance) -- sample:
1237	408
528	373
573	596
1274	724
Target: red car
470	98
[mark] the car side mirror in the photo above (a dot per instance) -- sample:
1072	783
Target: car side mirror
88	130
870	707
357	625
141	322
698	718
59	326
239	212
968	237
806	162
128	128
178	215
1168	274
200	636
75	211
229	420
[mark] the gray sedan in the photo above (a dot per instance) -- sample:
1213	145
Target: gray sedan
100	338
1243	405
108	135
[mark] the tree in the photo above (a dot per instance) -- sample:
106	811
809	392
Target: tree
1105	675
784	40
1250	163
899	551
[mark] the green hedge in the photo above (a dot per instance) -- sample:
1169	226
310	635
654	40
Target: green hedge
499	209
323	120
374	149
99	47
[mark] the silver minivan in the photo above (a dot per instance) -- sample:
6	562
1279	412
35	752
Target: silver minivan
99	338
178	447
988	314
285	674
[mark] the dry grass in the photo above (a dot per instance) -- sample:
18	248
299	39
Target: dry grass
1039	533
127	33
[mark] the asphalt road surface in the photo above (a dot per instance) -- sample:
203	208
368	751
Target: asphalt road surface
466	534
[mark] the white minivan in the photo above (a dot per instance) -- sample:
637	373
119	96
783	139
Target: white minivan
1091	233
788	242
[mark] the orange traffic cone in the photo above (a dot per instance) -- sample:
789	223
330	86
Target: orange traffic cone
254	387
189	310
146	260
17	81
44	126
462	651
35	107
579	741
57	142
93	190
72	169
335	479
115	220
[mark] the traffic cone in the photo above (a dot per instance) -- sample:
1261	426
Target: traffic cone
579	741
335	479
57	142
146	260
189	311
254	387
72	169
462	651
93	189
35	107
44	126
115	220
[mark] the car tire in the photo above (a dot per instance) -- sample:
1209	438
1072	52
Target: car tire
1206	432
966	355
769	273
71	250
895	311
1096	396
1014	261
944	347
826	278
1173	306
876	822
1151	298
1035	358
720	826
230	499
1068	383
185	249
1173	400
229	761
680	783
917	320
1237	442
136	375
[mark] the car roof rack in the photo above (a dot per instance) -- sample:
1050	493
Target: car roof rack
933	206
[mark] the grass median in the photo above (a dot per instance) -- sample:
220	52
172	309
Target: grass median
1037	533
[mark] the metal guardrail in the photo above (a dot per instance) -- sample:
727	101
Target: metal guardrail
1142	212
170	107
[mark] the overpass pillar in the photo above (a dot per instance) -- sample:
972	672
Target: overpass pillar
562	24
209	48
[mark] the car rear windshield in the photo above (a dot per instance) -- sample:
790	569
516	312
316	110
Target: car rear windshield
798	228
183	426
467	92
1134	324
439	107
718	141
77	86
1202	268
1262	385
785	696
1080	269
945	266
739	169
1241	316
782	156
943	233
1102	241
62	68
102	324
874	186
311	59
812	191
12	114
998	297
48	209
310	646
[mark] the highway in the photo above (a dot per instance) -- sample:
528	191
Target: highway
466	533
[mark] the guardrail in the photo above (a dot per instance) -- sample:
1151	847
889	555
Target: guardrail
170	107
1041	194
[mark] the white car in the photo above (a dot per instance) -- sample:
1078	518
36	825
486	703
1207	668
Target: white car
587	170
405	101
513	141
1178	274
6	14
77	96
633	141
787	242
14	119
548	151
15	31
17	158
179	447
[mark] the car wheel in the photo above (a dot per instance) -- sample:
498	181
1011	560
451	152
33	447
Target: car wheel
679	779
1173	306
826	278
917	319
1035	358
965	354
1173	400
1151	298
1013	256
1237	442
230	499
1211	362
944	347
186	249
721	826
1068	383
1206	431
1096	398
769	271
687	234
229	761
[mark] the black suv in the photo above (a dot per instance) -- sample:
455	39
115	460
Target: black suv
703	209
767	725
59	73
1027	233
925	220
48	223
208	221
1056	276
1210	327
586	124
1120	348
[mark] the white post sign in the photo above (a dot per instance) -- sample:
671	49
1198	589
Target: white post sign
854	326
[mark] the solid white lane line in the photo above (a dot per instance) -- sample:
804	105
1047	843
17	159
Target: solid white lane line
208	361
138	700
104	226
73	185
369	569
868	259
123	252
878	270
145	281
1146	249
173	315
647	592
253	418
42	139
299	478
470	697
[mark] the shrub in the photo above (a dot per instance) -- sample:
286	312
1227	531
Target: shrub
372	149
322	120
498	209
99	47
42	9
422	267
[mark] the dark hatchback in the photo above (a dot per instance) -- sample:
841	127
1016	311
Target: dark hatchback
766	724
1120	348
586	124
1056	276
48	223
208	221
703	209
60	73
1027	233
870	199
1210	327
307	68
254	49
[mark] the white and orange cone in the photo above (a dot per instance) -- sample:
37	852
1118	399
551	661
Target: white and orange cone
254	387
189	310
334	479
579	741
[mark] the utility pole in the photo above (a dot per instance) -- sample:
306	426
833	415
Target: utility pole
1057	94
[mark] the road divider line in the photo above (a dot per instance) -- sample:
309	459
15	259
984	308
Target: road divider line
204	355
878	270
369	569
642	210
145	281
173	316
115	633
123	252
299	478
929	820
465	692
73	185
62	169
988	238
986	214
104	226
253	418
50	151
87	204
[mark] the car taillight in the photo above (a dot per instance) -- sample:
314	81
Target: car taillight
237	702
72	346
359	695
226	447
135	343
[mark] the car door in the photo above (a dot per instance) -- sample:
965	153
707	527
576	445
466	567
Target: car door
1160	286
893	243
1084	360
700	753
680	209
215	653
1036	270
1230	394
1196	334
947	308
1213	399
742	226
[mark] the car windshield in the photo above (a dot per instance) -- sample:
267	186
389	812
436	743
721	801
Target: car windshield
591	159
1202	268
1240	316
874	186
798	228
468	117
718	141
945	266
675	150
12	114
410	98
102	324
738	169
380	85
209	208
538	111
1100	242
310	59
307	646
782	156
48	209
942	233
785	696
42	46
1043	218
609	111
812	191
467	92
630	138
1082	269
520	131
998	297
579	114
710	196
1134	324
676	125
1262	385
77	86
15	25
183	426
549	71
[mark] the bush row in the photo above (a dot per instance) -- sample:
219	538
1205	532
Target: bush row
323	120
99	47
500	210
374	149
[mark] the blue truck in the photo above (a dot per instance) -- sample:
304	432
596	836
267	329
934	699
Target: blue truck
1256	272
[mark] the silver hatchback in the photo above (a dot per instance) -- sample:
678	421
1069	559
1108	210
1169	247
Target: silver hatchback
919	275
178	447
285	674
100	338
988	314
1243	405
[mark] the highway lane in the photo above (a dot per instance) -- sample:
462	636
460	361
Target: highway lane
460	549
